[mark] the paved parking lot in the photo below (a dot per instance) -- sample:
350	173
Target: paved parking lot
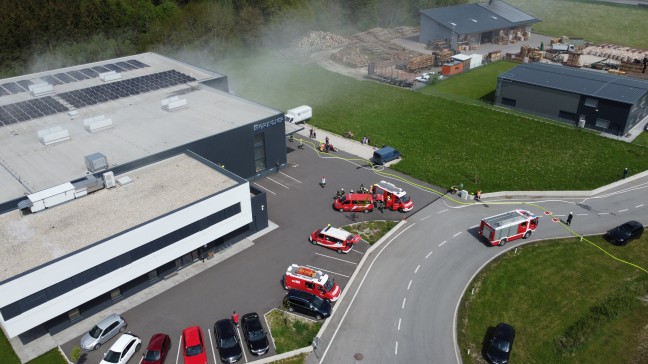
250	281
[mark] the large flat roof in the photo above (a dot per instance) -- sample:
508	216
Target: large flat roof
140	126
36	239
581	81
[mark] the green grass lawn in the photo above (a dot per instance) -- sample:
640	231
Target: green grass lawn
595	21
7	355
291	332
371	231
443	142
568	302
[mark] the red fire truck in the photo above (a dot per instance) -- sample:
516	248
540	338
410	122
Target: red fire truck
502	228
393	197
312	281
333	238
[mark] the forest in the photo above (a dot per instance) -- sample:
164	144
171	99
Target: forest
37	35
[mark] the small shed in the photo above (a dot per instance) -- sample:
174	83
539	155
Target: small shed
452	68
465	59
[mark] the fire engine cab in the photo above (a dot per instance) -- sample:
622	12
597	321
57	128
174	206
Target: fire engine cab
312	281
512	225
393	197
333	238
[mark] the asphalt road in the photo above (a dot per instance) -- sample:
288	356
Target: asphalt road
251	280
402	307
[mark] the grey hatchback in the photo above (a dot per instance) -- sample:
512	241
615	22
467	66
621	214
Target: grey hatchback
102	332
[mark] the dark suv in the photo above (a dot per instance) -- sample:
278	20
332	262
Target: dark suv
307	303
227	341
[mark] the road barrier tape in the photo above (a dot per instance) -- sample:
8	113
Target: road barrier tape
327	155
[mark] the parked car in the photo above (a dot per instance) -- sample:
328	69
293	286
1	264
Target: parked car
255	336
157	349
227	341
102	332
384	155
193	346
500	344
625	233
122	350
307	303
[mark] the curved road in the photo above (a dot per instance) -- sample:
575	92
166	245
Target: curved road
403	303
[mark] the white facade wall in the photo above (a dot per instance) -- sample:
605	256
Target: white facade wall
65	268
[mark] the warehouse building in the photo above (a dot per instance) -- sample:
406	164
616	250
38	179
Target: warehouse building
590	99
118	173
474	24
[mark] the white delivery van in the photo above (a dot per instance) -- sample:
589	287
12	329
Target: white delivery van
299	114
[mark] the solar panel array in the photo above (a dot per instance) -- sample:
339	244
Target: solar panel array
11	88
124	88
43	106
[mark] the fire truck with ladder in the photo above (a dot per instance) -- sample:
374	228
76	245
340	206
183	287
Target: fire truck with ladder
509	226
394	198
312	281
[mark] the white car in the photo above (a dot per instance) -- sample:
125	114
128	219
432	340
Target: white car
423	78
122	350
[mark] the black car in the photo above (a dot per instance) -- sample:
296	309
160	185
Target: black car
499	346
623	234
307	303
254	335
227	341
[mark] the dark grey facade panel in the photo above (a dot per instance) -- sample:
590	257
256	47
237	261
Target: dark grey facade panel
431	30
538	100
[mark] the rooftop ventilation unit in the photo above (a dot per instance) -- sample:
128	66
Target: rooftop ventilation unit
109	179
96	162
174	103
53	135
97	123
41	89
110	76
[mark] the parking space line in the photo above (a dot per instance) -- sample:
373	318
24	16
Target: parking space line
423	218
428	255
409	285
438	212
291	177
445	241
280	184
603	213
399	322
455	235
638	206
472	227
179	343
417	268
141	359
624	210
581	214
258	185
356	251
396	351
326	270
211	342
241	342
404	300
342	260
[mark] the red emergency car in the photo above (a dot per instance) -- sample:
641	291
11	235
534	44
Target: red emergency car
512	225
354	202
312	281
393	197
333	238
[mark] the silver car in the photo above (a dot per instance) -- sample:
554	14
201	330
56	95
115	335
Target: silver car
102	332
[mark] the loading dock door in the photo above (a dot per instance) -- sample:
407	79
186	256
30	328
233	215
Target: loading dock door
486	37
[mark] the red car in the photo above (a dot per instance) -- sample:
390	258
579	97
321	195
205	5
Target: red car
157	349
333	238
193	345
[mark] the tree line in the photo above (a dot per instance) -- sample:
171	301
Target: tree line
36	35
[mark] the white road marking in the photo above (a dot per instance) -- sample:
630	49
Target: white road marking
404	299
342	260
295	179
638	206
258	185
423	218
396	350
438	212
455	235
355	251
280	184
358	290
409	285
445	241
212	344
581	214
325	270
178	355
238	333
141	359
399	321
472	227
559	215
603	213
417	268
428	255
624	210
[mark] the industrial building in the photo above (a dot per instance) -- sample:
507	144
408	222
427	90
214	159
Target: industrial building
118	173
473	24
587	98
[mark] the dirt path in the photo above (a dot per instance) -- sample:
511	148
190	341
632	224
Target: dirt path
323	59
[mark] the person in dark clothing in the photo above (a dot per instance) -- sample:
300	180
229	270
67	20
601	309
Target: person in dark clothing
625	173
569	218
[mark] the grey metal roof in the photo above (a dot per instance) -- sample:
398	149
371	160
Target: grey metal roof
477	18
586	82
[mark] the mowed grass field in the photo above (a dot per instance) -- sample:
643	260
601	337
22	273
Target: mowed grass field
568	302
442	141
